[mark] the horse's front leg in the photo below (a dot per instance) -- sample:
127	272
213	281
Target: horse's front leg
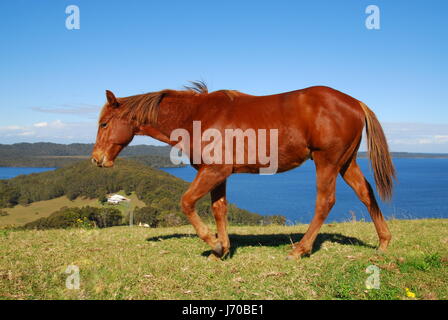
219	207
206	180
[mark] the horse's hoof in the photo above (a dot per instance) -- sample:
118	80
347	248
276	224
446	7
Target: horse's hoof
383	246
218	250
225	254
213	257
382	249
292	257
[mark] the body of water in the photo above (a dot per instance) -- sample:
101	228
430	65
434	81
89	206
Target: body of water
421	191
11	172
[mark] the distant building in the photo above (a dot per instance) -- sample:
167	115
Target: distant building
143	225
116	199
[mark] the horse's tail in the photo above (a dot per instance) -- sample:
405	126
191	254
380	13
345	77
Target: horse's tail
378	150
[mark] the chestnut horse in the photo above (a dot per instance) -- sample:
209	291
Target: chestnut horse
317	123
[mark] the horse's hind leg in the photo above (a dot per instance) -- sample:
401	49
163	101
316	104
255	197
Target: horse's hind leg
219	208
355	179
326	174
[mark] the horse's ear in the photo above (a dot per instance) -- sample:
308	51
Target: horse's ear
111	99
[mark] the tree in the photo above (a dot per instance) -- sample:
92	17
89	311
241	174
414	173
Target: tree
148	215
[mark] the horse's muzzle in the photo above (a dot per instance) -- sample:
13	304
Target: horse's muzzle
96	162
103	163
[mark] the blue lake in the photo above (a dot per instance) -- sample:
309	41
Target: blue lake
421	191
11	172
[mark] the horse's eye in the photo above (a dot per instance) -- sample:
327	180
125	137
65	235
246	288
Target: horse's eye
103	125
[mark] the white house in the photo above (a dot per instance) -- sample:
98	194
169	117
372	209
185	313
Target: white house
116	199
143	225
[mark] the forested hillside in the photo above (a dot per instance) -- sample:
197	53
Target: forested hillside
44	154
55	155
160	191
74	149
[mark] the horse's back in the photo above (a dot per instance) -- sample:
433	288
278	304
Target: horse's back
320	118
312	108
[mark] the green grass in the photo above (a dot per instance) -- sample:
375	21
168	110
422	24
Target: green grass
20	215
172	263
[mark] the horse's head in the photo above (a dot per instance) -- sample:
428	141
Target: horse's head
114	133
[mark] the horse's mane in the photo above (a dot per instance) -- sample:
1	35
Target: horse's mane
200	87
144	108
141	108
197	87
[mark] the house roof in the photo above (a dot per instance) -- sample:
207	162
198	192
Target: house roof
117	197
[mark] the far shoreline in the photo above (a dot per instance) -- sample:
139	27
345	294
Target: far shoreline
28	162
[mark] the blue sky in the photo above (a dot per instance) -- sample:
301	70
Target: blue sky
52	79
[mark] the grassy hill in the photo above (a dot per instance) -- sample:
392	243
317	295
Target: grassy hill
172	263
20	214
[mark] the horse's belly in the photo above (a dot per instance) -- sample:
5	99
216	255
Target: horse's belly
291	165
285	162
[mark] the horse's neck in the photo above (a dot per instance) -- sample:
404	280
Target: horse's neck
177	112
154	133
